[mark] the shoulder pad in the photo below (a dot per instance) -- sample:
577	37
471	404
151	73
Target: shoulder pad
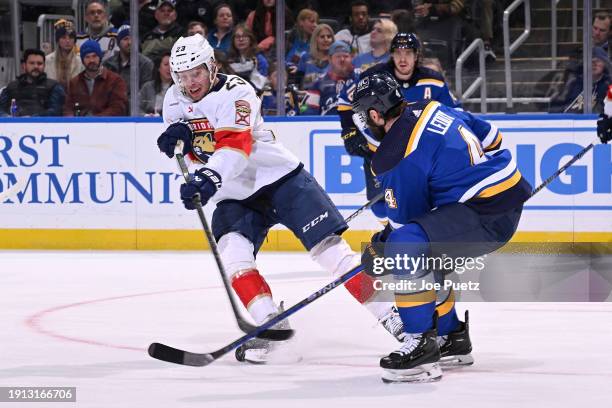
426	76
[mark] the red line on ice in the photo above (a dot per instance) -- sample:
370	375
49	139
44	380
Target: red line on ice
34	321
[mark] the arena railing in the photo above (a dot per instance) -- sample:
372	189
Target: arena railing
479	82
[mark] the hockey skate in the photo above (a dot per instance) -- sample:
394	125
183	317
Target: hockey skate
392	322
415	361
455	348
258	351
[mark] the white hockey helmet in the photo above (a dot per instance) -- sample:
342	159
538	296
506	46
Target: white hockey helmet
191	52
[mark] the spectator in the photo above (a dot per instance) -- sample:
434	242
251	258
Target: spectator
441	20
298	39
478	23
404	20
98	28
262	22
33	92
313	65
167	31
120	61
119	11
433	64
245	59
357	35
268	98
96	91
199	10
153	92
571	97
146	17
222	64
388	7
323	95
197	27
63	64
382	33
601	30
220	37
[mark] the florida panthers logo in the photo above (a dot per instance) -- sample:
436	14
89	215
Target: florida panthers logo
203	141
243	113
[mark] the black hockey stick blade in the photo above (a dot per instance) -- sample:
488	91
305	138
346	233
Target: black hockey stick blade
177	356
171	355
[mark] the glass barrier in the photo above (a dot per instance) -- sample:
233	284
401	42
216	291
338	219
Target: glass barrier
532	49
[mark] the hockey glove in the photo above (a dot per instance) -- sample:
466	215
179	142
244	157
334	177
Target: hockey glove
203	184
374	252
175	132
604	129
356	144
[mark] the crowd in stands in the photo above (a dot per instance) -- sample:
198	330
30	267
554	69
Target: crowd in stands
326	44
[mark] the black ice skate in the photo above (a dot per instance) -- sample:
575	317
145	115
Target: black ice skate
257	351
392	322
415	361
455	348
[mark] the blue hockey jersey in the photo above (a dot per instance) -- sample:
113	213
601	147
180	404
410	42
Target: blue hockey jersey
424	84
435	155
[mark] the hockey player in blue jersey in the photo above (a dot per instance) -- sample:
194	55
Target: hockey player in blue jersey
417	83
445	181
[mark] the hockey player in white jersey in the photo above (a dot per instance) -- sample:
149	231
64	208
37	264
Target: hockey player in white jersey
255	183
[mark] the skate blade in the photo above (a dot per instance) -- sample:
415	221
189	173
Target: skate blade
421	374
458	361
255	356
280	356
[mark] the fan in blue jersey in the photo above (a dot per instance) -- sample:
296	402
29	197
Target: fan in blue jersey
322	96
449	189
416	83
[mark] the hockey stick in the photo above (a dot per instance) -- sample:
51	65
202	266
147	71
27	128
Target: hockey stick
245	326
178	356
557	173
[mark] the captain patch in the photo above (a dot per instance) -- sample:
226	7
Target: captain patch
243	113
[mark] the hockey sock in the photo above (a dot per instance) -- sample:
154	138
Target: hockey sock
254	293
416	310
447	315
361	287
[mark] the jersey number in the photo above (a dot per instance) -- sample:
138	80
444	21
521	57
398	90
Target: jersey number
474	146
390	198
234	81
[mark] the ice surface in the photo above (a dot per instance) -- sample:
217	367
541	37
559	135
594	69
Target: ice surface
85	319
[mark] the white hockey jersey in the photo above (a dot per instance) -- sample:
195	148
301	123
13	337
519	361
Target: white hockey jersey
246	156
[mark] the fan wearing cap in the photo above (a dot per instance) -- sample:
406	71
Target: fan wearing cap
571	96
99	28
96	91
64	63
322	96
120	61
416	83
167	31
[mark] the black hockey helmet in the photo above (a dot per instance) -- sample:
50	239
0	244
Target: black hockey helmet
378	91
405	40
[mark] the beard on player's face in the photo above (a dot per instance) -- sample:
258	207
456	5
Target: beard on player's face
378	130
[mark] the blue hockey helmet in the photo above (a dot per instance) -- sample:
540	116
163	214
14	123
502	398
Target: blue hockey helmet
378	91
405	40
